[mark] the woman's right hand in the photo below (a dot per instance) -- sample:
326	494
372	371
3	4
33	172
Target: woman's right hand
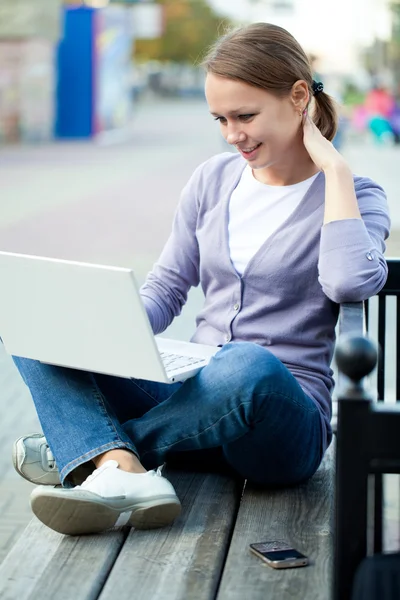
322	152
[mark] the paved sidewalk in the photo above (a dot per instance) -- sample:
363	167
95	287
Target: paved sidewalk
114	204
381	164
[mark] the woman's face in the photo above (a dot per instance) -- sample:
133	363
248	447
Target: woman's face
263	127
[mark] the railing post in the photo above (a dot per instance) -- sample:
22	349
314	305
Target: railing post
356	357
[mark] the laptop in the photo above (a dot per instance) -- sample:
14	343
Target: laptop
87	316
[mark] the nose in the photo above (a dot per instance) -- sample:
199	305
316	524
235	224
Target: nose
234	135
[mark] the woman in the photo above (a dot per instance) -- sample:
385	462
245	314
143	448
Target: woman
277	234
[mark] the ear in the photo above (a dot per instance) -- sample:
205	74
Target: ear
300	95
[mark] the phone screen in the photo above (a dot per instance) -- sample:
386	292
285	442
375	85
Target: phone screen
283	554
277	550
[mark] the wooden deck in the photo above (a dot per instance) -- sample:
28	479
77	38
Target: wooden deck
17	418
204	555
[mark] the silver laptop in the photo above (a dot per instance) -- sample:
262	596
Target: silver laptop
89	317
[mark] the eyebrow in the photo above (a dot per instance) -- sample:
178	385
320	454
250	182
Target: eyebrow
239	111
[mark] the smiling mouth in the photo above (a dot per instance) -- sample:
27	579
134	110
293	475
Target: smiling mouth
248	150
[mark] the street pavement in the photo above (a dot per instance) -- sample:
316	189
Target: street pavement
112	202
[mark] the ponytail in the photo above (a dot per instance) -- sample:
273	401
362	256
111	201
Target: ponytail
324	114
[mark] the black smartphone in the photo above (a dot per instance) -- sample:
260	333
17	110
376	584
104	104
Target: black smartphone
279	554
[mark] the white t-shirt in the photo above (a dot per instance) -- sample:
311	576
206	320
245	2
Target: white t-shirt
256	210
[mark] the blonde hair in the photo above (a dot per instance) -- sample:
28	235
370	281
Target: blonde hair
269	57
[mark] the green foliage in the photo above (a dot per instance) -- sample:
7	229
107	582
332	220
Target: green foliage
191	26
394	44
352	96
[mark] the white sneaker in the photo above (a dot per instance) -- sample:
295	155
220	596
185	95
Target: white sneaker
109	497
33	460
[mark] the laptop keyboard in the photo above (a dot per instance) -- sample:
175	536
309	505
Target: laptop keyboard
175	361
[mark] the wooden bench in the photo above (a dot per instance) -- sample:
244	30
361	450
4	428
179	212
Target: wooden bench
203	555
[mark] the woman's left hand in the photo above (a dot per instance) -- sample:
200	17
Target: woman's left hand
322	151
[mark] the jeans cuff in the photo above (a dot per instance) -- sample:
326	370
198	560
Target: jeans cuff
74	465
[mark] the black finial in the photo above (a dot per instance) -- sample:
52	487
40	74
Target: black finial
356	357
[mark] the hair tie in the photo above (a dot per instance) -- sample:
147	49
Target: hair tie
317	87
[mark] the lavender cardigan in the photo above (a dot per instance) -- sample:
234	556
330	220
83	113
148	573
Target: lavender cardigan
287	298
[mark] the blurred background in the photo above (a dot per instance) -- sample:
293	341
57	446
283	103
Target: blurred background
103	120
80	68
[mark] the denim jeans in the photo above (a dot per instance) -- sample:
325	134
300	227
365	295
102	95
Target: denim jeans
244	410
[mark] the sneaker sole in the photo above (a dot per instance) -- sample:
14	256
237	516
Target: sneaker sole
18	454
72	516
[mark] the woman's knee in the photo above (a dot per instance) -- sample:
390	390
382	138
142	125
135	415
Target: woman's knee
244	361
45	380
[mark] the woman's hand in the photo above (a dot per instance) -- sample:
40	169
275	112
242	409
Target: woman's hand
322	152
340	197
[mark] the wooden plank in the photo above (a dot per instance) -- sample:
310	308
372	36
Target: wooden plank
186	560
17	417
44	564
79	567
27	561
15	511
301	515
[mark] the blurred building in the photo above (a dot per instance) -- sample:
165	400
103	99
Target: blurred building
28	34
66	66
93	63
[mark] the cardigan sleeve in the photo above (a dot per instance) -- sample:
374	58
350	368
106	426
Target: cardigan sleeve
165	291
351	263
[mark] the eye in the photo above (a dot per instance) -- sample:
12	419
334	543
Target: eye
246	117
220	119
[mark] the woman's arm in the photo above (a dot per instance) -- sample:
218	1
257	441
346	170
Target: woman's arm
340	197
177	269
351	264
356	223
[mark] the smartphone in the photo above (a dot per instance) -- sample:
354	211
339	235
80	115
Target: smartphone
279	554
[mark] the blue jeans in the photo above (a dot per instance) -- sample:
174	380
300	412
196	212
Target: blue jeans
244	411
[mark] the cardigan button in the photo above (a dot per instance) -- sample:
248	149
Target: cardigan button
370	256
